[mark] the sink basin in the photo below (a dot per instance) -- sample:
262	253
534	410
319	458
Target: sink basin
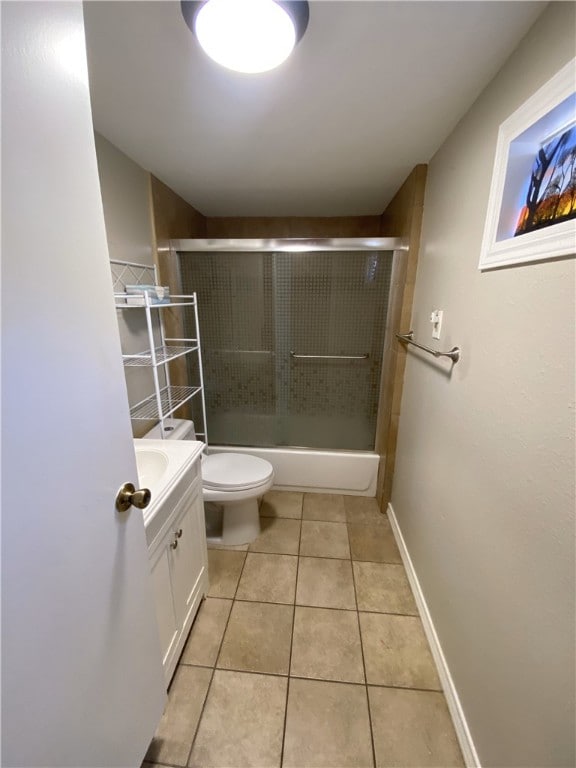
151	465
161	465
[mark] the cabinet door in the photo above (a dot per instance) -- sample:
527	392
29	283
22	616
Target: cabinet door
188	558
168	625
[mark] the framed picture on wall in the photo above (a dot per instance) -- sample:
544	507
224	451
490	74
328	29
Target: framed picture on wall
532	204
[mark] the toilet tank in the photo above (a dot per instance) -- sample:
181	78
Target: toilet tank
174	429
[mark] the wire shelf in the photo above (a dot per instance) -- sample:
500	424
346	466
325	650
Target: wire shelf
143	300
163	355
171	398
165	400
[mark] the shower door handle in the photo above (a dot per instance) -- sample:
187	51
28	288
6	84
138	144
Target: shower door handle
329	357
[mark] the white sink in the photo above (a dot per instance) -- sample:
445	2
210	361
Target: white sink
161	464
151	465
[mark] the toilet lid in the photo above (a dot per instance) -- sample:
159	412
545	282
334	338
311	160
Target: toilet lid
234	471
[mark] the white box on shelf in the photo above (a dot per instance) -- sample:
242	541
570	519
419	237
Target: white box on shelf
157	294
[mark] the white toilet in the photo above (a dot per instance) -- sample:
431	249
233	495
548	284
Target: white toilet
233	481
236	480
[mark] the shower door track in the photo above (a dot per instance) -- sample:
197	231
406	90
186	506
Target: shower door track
289	245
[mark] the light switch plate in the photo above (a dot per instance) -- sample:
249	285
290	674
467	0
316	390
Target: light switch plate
436	320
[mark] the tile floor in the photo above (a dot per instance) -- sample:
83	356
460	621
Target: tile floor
308	651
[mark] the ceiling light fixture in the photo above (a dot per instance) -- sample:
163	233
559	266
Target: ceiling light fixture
247	35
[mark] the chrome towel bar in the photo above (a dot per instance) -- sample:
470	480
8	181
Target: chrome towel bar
329	357
408	338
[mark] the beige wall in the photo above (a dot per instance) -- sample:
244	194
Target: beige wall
126	201
484	481
174	218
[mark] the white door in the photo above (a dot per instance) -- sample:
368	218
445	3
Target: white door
82	679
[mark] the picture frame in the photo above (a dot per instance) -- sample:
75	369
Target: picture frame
532	204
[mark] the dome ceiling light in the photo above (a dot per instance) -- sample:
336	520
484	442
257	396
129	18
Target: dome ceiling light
247	35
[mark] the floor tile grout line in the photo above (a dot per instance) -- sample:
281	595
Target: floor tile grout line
391	613
291	640
322	680
281	675
312	520
406	688
377	522
316	557
308	605
300	605
327	608
201	716
363	665
215	662
294	603
293	554
362	685
235	598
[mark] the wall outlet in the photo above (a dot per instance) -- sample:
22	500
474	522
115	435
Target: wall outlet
436	320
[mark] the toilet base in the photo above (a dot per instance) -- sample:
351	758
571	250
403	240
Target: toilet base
240	522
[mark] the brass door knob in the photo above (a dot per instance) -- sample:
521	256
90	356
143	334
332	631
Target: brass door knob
128	496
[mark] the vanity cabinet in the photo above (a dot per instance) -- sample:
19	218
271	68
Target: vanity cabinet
178	562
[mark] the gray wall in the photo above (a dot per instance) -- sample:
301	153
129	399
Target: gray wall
484	481
126	202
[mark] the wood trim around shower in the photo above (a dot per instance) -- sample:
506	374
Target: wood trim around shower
402	218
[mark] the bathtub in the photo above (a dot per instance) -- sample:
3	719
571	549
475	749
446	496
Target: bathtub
312	471
298	469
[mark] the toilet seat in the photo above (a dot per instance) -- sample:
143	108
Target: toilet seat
235	472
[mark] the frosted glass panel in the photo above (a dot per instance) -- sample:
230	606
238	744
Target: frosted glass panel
260	313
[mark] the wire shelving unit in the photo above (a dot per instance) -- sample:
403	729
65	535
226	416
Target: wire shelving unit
166	398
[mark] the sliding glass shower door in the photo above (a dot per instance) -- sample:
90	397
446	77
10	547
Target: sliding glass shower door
292	345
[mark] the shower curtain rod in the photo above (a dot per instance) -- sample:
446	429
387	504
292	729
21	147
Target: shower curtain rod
288	245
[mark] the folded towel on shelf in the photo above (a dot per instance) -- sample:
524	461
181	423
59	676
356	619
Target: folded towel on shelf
157	294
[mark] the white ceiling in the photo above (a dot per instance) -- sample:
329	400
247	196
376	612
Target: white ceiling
372	89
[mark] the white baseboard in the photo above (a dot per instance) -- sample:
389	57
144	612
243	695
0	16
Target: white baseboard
455	708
